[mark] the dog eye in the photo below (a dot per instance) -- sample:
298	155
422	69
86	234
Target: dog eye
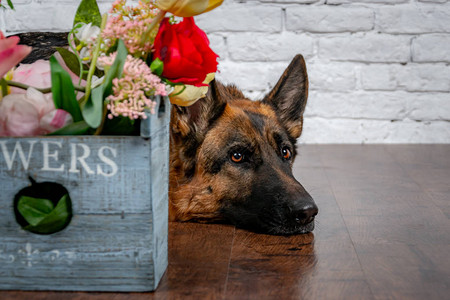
286	153
237	157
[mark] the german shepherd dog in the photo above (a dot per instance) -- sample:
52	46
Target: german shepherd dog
231	158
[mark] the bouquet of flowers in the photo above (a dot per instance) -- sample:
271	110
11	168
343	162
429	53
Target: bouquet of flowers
114	67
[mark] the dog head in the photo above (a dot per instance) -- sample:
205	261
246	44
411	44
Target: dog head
231	158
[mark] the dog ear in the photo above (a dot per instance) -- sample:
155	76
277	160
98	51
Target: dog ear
193	121
190	124
288	97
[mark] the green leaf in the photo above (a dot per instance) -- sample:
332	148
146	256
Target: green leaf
88	12
93	108
116	69
55	220
77	128
10	4
34	210
70	59
157	67
63	91
121	126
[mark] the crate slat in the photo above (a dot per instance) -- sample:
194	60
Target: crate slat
117	238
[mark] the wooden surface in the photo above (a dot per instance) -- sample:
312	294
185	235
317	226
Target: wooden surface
117	238
383	232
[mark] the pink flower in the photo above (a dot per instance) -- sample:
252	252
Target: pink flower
38	74
30	114
11	53
133	93
129	23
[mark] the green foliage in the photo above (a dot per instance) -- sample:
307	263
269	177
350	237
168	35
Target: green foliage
34	210
116	69
92	109
88	12
10	4
63	91
121	126
3	87
157	67
77	128
70	59
42	216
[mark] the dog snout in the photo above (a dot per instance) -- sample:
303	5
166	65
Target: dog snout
305	213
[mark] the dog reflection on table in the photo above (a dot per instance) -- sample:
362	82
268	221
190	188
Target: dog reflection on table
231	158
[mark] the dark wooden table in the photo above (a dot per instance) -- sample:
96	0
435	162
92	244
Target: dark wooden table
383	232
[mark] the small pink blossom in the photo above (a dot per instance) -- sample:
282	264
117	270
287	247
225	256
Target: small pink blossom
30	114
129	23
11	53
133	92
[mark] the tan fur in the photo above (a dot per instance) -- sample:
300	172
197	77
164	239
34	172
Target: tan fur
196	194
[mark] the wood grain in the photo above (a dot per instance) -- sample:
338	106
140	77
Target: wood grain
397	230
118	235
429	167
381	233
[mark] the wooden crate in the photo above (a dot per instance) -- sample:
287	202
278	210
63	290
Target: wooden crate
117	238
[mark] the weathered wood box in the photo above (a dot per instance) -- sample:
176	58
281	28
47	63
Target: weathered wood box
118	185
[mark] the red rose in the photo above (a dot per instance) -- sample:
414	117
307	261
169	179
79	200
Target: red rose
184	50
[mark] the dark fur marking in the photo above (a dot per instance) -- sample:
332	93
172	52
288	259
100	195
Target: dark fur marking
216	165
259	191
257	121
278	139
190	151
217	158
282	140
216	113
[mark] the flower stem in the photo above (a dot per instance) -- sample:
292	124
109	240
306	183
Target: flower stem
94	59
71	41
102	124
3	87
152	25
42	90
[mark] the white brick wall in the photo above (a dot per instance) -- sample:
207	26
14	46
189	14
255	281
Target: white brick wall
379	69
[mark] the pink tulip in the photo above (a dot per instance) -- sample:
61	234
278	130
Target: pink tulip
11	53
38	74
55	120
18	117
30	114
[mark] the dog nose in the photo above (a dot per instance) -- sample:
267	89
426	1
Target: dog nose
306	213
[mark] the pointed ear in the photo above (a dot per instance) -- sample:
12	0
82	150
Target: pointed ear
192	122
288	97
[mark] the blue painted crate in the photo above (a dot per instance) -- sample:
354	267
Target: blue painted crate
117	237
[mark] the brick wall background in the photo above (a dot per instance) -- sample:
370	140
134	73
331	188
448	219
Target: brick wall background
379	70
